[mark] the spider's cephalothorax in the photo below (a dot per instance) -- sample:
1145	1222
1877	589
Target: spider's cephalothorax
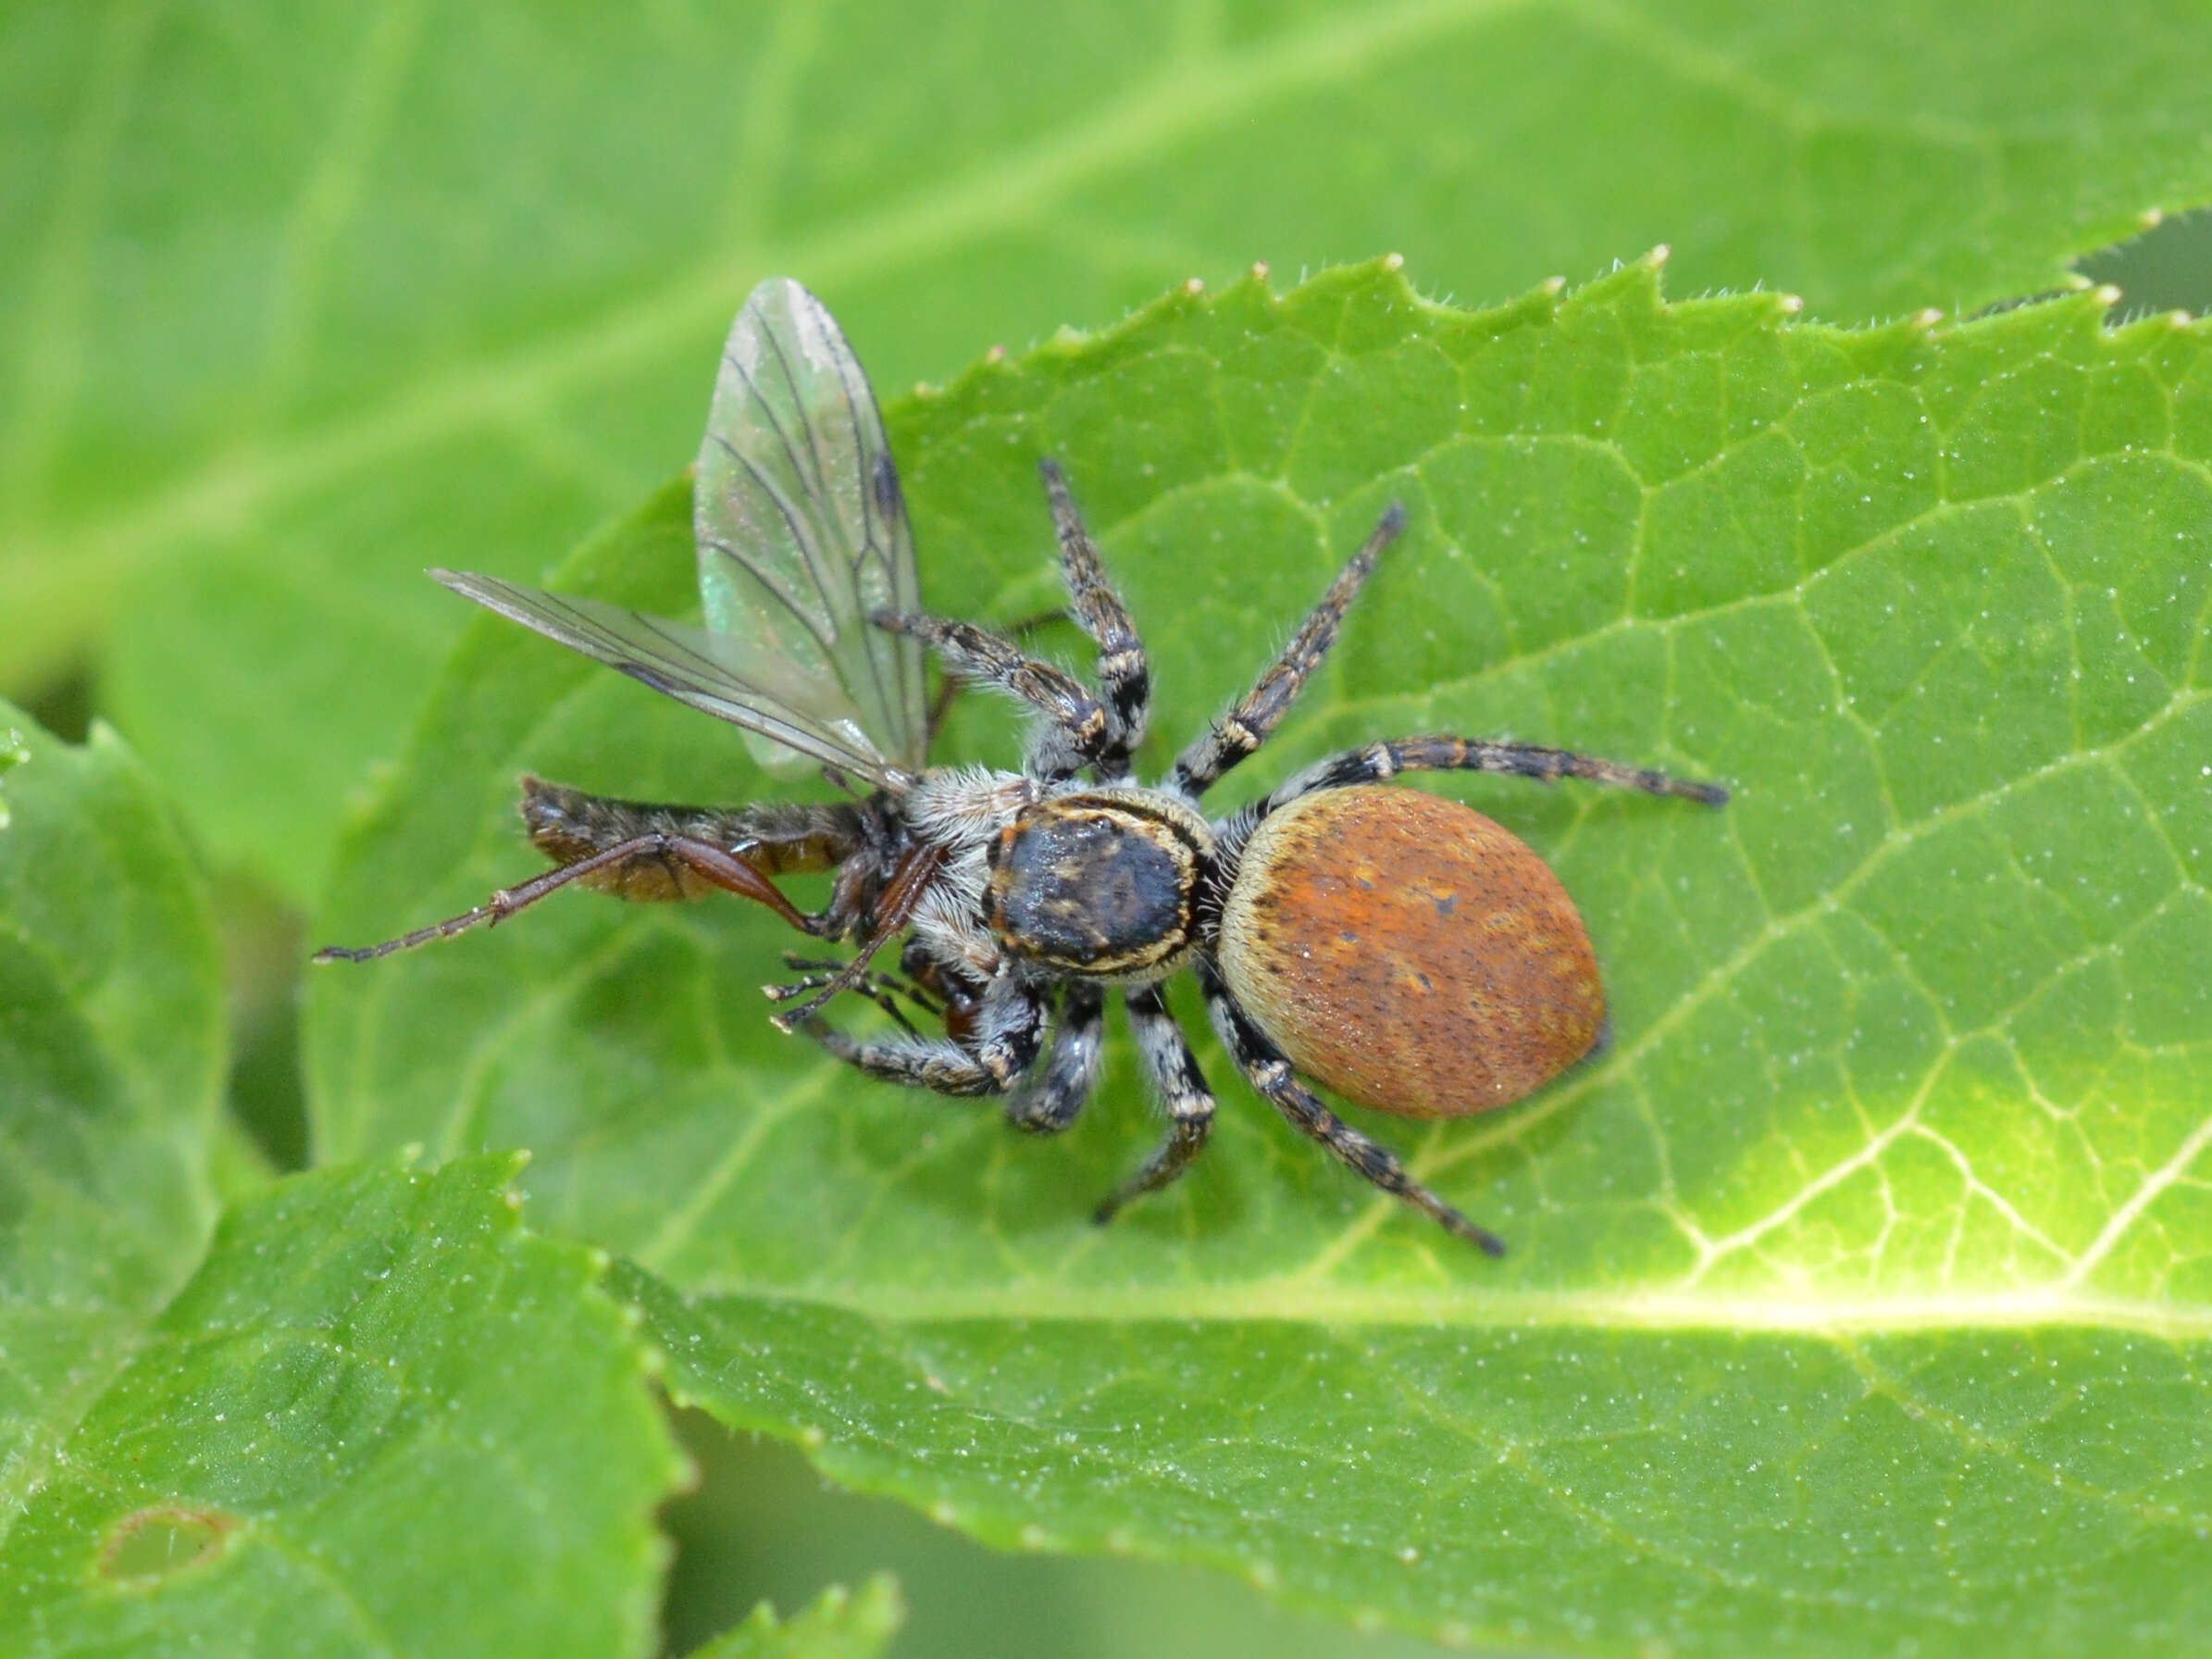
1102	883
1399	947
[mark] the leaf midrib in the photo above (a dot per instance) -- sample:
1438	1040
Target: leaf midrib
1301	1302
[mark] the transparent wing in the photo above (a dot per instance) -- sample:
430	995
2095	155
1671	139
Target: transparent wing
724	677
802	527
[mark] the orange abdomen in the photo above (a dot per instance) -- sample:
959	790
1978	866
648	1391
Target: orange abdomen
1409	953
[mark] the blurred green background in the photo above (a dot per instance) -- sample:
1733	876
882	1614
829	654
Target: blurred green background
301	299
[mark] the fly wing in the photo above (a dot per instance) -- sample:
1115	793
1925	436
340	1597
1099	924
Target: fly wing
728	678
802	529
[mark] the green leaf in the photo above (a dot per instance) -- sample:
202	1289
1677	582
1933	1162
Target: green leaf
12	754
1576	1473
111	1075
838	1624
370	1416
379	1420
1861	1291
311	298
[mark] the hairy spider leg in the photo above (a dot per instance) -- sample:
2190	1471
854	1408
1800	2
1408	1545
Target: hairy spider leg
1078	727
947	692
1270	1072
1246	726
1051	1097
1009	1030
1378	763
1124	672
1182	1091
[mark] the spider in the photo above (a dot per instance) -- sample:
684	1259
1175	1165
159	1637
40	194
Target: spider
1397	946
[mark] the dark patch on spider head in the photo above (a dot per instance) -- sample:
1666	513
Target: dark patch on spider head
1092	887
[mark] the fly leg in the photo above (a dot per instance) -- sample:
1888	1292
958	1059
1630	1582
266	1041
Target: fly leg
683	865
884	989
650	853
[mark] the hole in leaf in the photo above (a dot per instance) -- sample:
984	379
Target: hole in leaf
64	704
2169	267
262	947
158	1543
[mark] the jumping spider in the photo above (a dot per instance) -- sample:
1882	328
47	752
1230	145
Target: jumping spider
1399	947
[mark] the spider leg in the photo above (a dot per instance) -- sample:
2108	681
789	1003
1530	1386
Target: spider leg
1246	725
947	692
1378	763
1269	1073
1182	1090
1051	1100
1124	672
1078	727
1008	1031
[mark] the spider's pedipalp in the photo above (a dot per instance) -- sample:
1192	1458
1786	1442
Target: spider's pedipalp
1053	1099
